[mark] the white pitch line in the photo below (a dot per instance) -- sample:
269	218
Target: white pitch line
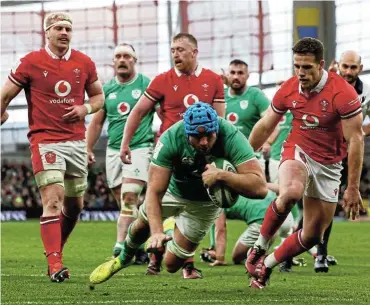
118	302
72	275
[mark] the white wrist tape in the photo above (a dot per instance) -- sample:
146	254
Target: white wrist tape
88	107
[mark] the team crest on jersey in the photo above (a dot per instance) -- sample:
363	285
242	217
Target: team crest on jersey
232	117
324	105
123	108
136	93
294	103
244	104
62	88
112	96
50	157
190	99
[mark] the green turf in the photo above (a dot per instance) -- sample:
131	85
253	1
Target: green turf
23	280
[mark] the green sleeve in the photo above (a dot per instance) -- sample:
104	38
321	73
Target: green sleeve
163	151
237	145
261	101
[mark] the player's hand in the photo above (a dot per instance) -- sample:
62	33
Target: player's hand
218	263
4	117
333	67
266	149
157	242
352	203
209	176
75	113
125	154
90	157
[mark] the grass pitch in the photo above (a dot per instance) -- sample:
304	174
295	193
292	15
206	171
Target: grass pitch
23	268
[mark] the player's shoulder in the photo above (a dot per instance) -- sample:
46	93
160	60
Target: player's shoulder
109	84
209	73
174	134
78	55
143	79
226	127
338	83
34	55
288	87
254	90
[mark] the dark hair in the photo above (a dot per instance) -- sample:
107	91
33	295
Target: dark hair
127	44
189	37
238	62
309	45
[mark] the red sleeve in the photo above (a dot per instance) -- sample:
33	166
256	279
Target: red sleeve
154	92
347	103
220	92
278	102
92	73
20	73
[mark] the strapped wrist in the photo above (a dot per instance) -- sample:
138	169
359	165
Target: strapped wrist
89	108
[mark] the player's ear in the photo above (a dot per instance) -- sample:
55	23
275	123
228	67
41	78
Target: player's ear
322	64
195	52
361	67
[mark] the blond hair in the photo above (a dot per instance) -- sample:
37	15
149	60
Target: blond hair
57	18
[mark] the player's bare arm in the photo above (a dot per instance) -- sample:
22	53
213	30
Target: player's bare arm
159	178
366	130
93	133
141	109
221	239
220	109
249	180
96	101
264	128
8	92
266	147
352	130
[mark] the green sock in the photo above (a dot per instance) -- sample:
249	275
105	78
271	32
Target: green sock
212	237
119	244
129	247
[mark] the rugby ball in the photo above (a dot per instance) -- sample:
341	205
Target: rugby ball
220	194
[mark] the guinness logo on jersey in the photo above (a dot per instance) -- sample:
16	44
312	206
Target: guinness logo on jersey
123	108
190	99
244	104
62	88
136	93
232	117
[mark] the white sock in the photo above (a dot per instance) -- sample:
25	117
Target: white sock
313	251
270	261
264	243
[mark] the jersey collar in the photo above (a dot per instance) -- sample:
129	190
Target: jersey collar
232	95
197	71
65	56
127	83
319	86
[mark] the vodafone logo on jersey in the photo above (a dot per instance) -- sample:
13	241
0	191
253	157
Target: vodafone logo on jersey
190	99
123	108
232	117
62	88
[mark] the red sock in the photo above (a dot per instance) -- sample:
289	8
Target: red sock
67	225
51	237
189	260
291	247
272	221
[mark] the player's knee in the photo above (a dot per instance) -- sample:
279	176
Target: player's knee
129	195
75	187
53	204
292	193
178	252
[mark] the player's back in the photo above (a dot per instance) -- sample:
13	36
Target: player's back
52	85
316	126
176	92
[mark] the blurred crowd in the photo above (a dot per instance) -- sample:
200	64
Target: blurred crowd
19	190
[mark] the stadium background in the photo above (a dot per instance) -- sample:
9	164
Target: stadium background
259	32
